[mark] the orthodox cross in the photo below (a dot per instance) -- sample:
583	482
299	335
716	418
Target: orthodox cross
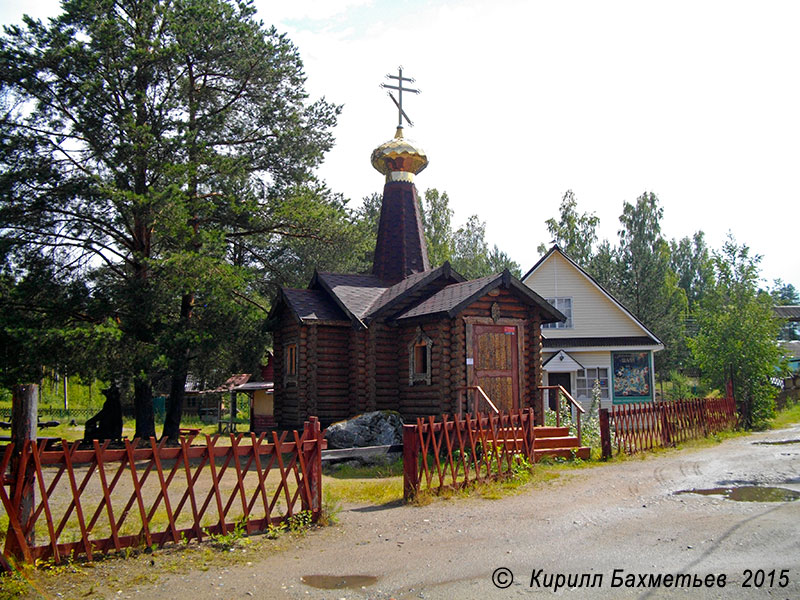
401	114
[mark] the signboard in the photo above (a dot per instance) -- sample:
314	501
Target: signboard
632	376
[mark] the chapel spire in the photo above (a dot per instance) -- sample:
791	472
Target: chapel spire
401	249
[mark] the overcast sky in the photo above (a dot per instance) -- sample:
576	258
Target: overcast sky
696	101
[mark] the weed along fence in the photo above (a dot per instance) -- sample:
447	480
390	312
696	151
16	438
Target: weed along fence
639	427
456	452
78	500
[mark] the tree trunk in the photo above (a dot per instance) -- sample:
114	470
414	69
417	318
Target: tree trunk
177	392
180	370
143	408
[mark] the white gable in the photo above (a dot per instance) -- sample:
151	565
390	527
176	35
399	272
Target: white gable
594	312
561	362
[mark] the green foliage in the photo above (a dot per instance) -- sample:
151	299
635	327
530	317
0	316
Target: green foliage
436	219
470	251
300	522
465	248
590	422
141	212
574	233
784	294
228	541
690	259
13	585
679	388
736	335
646	284
331	507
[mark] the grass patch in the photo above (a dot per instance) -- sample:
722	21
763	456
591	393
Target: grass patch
371	484
788	416
370	491
145	566
377	471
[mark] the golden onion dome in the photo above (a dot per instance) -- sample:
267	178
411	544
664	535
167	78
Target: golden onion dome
399	159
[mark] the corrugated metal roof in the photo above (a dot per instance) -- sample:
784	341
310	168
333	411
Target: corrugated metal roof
791	313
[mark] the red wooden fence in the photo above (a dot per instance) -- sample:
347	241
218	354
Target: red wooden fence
639	427
114	498
454	453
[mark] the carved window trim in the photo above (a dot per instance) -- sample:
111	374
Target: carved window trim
290	362
419	359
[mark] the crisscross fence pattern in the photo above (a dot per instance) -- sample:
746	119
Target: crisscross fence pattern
103	499
639	427
459	451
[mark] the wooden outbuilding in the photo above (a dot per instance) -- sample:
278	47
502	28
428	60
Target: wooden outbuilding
405	337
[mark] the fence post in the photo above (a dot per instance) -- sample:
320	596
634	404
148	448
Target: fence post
313	460
410	471
605	433
663	423
24	406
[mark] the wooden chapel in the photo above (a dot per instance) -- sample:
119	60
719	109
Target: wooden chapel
405	337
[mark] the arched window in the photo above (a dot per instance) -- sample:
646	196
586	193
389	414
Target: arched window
419	359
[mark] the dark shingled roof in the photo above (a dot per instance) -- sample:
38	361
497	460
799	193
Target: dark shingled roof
313	305
356	293
414	282
448	298
589	342
362	296
792	313
451	299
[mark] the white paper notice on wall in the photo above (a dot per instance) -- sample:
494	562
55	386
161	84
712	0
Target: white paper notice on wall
470	361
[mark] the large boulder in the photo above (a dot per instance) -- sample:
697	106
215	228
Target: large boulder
379	428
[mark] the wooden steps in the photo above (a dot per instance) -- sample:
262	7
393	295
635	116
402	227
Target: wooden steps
556	441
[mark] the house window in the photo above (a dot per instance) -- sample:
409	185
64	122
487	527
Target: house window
421	352
565	306
291	362
419	359
586	379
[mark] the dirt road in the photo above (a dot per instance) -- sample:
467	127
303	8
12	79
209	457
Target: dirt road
625	516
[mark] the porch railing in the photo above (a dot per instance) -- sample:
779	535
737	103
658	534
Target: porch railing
478	395
579	410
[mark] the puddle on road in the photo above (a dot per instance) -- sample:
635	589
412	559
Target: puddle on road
778	443
749	493
338	582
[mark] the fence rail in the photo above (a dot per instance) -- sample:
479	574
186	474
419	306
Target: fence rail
639	427
103	499
80	415
454	453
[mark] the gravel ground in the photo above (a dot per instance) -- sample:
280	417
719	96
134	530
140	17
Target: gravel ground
621	516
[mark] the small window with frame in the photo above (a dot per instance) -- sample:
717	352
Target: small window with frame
290	371
419	359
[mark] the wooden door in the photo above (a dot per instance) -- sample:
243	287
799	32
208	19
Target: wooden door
495	358
562	379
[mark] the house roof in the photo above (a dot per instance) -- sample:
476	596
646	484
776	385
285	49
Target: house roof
312	305
453	298
394	296
360	298
596	342
790	313
653	337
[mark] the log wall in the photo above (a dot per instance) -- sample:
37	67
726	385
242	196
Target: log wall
331	364
343	372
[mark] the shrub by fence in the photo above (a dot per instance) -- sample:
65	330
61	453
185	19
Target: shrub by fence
639	427
454	453
104	499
